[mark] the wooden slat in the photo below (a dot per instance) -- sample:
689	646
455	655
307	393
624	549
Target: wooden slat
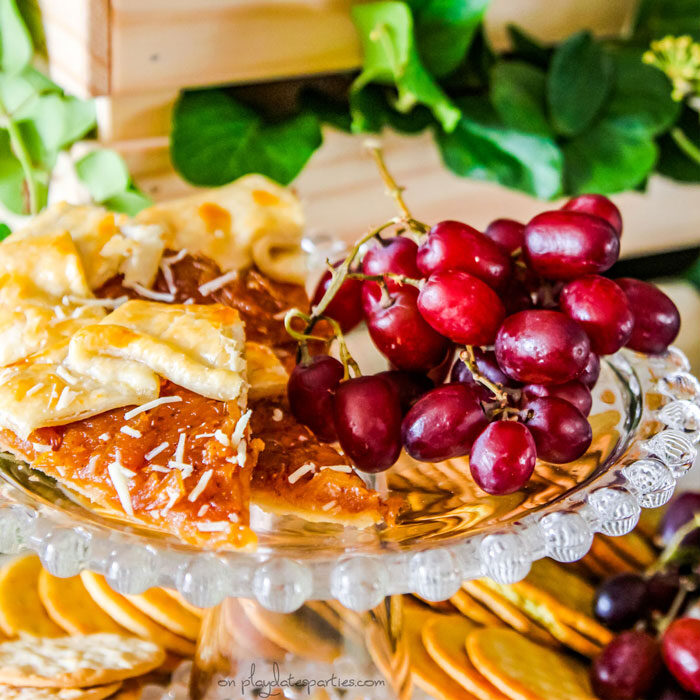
78	44
343	196
169	44
129	117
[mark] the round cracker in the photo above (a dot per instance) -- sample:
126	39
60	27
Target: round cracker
523	670
21	610
8	692
473	610
444	639
69	605
168	612
76	662
130	617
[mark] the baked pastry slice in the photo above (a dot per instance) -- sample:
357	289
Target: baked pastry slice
145	414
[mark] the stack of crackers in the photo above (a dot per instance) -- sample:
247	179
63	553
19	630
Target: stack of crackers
77	639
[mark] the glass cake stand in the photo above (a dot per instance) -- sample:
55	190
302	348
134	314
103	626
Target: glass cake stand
315	611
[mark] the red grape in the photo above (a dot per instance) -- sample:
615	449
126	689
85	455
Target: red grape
451	245
561	432
487	366
346	305
310	392
621	600
597	205
443	423
503	457
591	371
563	245
402	334
409	386
681	510
507	233
542	347
397	255
575	392
627	667
367	417
461	307
681	651
601	307
656	318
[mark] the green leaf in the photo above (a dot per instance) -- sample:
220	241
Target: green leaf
444	31
329	110
518	93
674	162
16	48
104	173
19	92
527	48
659	18
13	190
59	121
484	148
130	202
391	58
693	273
578	83
5	231
610	157
216	139
640	93
371	111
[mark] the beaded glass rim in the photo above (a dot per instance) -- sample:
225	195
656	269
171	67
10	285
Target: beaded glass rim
644	476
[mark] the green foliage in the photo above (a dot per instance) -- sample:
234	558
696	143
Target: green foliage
5	231
583	115
16	47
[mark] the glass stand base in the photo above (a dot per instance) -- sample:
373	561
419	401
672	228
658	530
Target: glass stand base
322	651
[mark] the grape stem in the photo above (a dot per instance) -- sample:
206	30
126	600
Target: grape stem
393	188
401	279
304	337
467	356
674	545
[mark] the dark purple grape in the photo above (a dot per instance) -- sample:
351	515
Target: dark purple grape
670	690
542	347
310	391
367	418
656	318
507	233
575	392
443	423
451	245
597	205
681	510
681	651
627	667
591	371
503	457
561	432
601	308
409	386
564	245
402	334
346	305
620	601
662	589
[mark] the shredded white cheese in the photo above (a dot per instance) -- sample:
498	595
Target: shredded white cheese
38	447
59	313
217	283
65	398
202	510
131	432
169	278
156	451
151	404
158	468
172	259
339	468
221	437
303	469
107	303
216	526
151	294
277	415
188	301
116	474
64	374
185	468
241	453
171	502
233	517
239	430
201	485
328	506
104	437
203	435
35	388
180	449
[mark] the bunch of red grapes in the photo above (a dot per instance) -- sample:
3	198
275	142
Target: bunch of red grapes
657	651
527	314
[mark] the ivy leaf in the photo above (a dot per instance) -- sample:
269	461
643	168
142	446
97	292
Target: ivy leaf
13	189
484	148
329	111
391	58
16	48
130	202
372	111
5	231
518	93
580	77
104	173
216	139
658	18
675	163
59	120
444	31
640	93
19	92
528	48
612	156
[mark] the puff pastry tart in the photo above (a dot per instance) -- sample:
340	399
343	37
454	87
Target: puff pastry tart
142	365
